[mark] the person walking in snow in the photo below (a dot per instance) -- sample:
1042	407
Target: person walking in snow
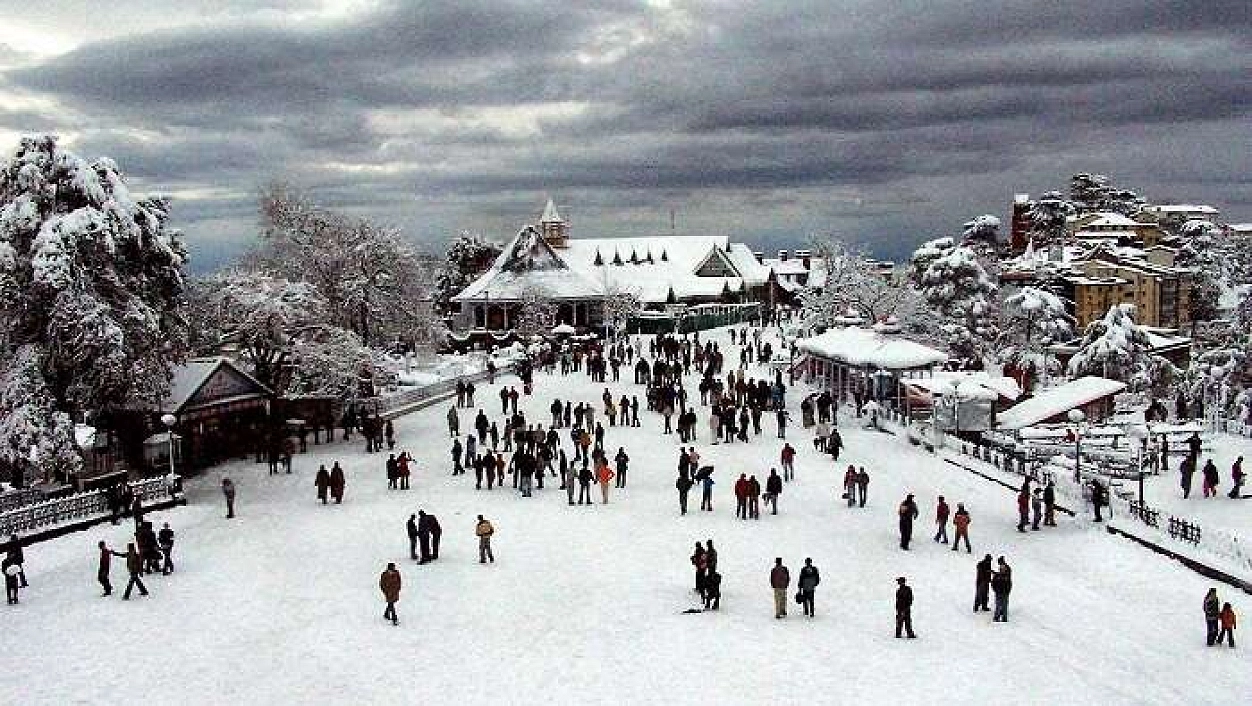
862	486
1236	479
779	580
834	444
1001	585
904	608
773	487
337	482
623	462
165	540
1023	509
228	490
435	530
683	484
908	512
809	578
941	520
603	476
1212	614
484	531
713	591
411	528
1227	620
1211	479
134	565
788	460
423	537
585	476
389	583
322	482
754	498
454	422
1049	504
103	570
1099	498
982	584
706	493
960	521
1036	508
741	497
700	561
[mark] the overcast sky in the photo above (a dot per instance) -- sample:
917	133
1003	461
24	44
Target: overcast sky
882	122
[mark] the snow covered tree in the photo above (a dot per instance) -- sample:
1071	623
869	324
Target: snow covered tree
374	283
91	293
959	289
1115	347
1092	193
852	283
467	257
262	316
1031	320
536	313
621	304
333	362
1047	218
1201	255
983	229
1215	379
927	253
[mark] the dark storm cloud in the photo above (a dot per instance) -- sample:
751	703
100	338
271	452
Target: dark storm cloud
888	122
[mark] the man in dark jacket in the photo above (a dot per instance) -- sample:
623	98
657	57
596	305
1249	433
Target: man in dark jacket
779	580
834	444
106	562
754	498
683	484
134	565
623	463
773	486
809	578
941	520
165	539
17	558
423	536
389	584
1049	505
1001	585
904	608
712	591
908	512
432	524
982	584
411	528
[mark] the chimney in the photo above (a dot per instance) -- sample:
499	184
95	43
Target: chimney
782	255
804	256
760	257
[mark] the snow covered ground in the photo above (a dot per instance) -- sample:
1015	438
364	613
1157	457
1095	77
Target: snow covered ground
584	604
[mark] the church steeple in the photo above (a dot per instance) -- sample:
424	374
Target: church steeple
553	226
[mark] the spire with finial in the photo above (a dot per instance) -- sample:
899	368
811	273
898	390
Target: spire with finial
553	226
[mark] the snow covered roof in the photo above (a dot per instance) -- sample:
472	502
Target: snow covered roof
1110	220
870	349
1240	228
190	377
969	384
1058	400
528	262
790	266
550	214
1181	208
673	264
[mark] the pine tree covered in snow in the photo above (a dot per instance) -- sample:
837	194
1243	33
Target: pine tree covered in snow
927	253
1093	193
1115	347
1031	320
467	257
1215	380
1047	218
957	287
91	295
1201	255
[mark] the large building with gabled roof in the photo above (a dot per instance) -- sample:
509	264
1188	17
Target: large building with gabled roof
578	273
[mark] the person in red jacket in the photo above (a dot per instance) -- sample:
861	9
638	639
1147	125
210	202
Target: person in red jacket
741	497
941	519
849	485
779	580
1227	618
961	522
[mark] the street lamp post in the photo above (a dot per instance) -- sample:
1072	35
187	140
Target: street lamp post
1077	417
169	421
1139	434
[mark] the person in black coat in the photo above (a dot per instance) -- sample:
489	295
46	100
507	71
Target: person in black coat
809	578
411	528
102	573
322	481
712	590
1001	585
908	512
16	557
432	525
773	486
904	608
165	539
982	584
423	536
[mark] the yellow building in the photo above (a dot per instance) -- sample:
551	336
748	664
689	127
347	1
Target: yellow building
1160	293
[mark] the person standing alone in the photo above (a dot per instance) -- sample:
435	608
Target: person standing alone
904	608
484	531
389	584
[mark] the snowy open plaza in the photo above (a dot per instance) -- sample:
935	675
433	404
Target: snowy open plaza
585	604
